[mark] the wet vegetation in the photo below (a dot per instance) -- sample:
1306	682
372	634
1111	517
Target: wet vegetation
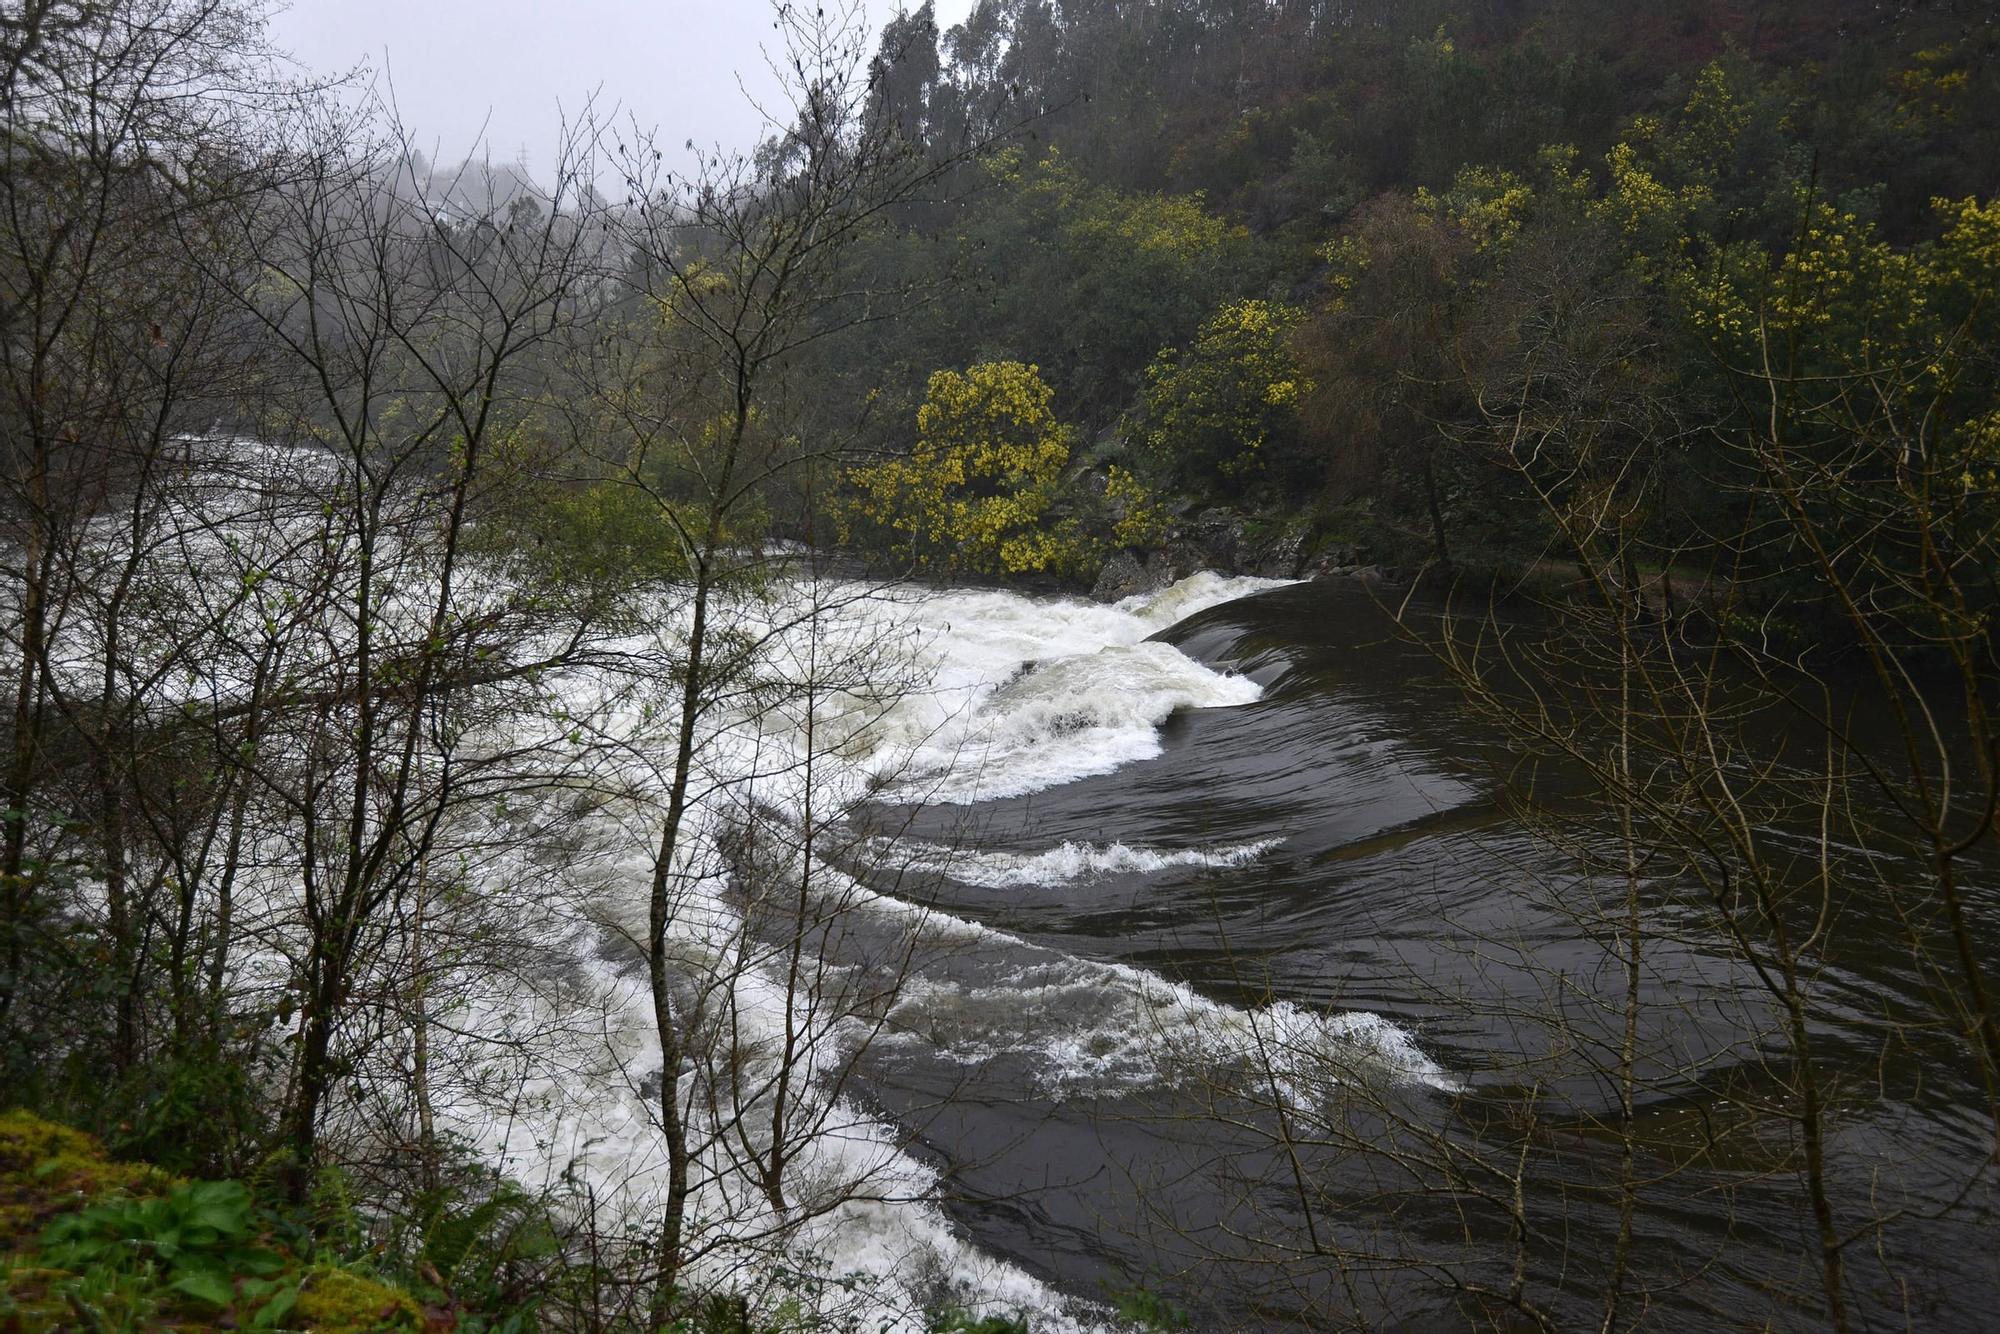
451	872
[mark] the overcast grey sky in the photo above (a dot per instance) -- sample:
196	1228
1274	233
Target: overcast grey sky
509	64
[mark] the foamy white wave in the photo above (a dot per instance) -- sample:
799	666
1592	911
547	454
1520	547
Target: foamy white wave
1030	694
1070	862
1089	1029
1196	593
875	1250
1073	718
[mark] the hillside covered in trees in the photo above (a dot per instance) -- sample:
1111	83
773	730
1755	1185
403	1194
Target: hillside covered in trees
1345	261
1170	664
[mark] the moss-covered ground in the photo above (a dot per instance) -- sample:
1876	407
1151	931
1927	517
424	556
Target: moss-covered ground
90	1243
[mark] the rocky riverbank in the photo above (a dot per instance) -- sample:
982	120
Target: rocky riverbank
1230	542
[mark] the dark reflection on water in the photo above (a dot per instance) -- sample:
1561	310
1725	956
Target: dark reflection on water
1400	883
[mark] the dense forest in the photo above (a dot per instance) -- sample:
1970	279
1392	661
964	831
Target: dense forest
474	724
1313	260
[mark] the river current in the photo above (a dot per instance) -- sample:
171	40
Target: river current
1184	874
1194	956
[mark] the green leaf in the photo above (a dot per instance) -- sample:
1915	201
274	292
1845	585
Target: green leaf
219	1203
271	1312
206	1287
255	1260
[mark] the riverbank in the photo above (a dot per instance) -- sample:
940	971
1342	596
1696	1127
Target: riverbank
1233	543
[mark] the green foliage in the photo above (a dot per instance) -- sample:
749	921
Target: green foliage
575	534
1087	281
195	1110
486	1244
198	1242
603	532
1222	414
958	1320
1189	159
1149	1310
126	1247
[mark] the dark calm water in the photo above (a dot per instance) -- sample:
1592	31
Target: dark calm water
1351	850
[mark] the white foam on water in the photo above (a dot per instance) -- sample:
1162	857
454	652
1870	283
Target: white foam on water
1068	863
547	1066
1075	717
1090	1029
1196	593
1021	695
1031	694
861	1238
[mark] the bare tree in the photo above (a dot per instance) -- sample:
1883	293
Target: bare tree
405	327
747	259
124	151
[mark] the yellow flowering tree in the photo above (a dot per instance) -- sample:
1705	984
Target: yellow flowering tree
1213	415
1871	413
1937	87
1842	300
1489	204
981	491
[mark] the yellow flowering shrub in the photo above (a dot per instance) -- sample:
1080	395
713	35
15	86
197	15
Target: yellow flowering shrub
1176	229
1346	260
1668	175
1642	205
1714	117
1488	203
1136	515
1843	297
979	491
1718	298
1840	272
1979	446
1556	163
1883	333
1969	253
1936	89
1210	413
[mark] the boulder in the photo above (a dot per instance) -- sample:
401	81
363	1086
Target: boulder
1233	543
1121	577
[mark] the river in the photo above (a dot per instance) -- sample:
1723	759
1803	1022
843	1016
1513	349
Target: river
1198	956
1331	861
1190	958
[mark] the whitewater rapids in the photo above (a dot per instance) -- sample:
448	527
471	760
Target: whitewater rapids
1011	695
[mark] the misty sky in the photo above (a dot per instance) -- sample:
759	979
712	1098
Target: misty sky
507	65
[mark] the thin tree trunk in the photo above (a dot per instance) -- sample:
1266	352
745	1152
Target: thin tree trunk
420	1045
24	759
